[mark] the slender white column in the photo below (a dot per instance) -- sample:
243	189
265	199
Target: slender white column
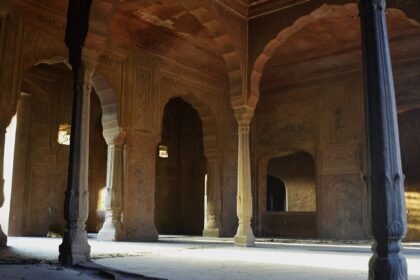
244	235
112	227
213	224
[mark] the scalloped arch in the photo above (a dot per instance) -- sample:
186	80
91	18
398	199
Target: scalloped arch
208	120
323	11
230	56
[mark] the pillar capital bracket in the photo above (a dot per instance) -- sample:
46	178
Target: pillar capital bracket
243	115
115	136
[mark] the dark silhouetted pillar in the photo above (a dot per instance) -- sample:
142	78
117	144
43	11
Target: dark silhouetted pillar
384	177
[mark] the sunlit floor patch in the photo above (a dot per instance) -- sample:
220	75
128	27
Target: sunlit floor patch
200	258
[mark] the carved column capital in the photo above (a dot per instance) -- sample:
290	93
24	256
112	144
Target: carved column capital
115	136
243	115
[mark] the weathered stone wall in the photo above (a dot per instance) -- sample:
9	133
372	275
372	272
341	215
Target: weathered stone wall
40	171
297	171
323	118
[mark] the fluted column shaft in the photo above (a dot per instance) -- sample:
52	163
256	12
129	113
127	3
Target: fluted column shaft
112	227
384	177
244	235
213	224
75	248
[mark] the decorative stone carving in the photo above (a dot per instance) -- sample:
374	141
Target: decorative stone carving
338	115
384	177
342	158
244	235
142	91
38	45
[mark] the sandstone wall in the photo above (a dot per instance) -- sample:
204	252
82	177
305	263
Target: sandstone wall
40	170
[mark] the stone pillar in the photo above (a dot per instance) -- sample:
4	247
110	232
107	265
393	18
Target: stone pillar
384	177
213	225
112	227
244	235
6	114
75	248
139	203
23	115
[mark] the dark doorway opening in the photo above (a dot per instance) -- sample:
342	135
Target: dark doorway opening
276	194
180	171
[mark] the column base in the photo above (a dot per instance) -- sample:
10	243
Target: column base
245	240
75	248
142	235
110	231
211	232
393	267
3	238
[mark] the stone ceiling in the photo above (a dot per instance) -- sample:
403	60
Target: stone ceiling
165	27
170	17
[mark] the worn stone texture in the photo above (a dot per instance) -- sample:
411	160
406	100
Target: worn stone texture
302	77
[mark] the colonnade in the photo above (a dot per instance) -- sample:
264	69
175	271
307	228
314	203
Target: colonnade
383	176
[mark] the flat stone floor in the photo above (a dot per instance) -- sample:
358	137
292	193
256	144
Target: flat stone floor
205	258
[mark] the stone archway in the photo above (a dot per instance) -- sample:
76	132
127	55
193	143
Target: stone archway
212	24
115	138
212	152
222	38
323	12
106	95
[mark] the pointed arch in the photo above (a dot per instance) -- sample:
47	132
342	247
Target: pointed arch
108	101
208	120
320	13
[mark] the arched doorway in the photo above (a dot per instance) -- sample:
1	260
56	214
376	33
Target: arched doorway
181	167
41	154
276	194
290	195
